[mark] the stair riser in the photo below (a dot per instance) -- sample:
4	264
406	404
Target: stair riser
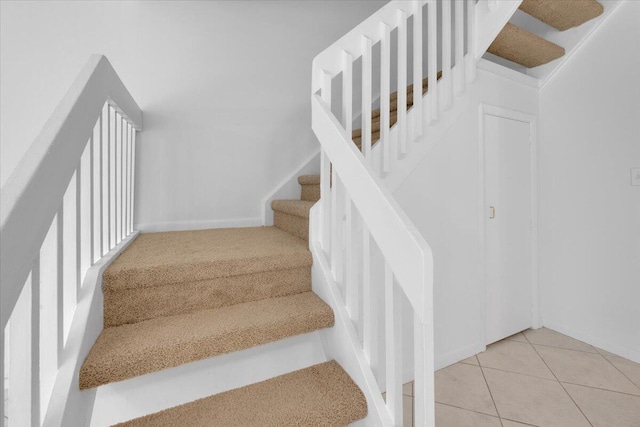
295	225
310	193
135	305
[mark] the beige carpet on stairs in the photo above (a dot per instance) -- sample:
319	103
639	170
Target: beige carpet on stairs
523	47
322	395
140	348
562	14
165	274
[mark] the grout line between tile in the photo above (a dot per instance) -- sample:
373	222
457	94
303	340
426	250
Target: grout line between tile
561	385
564	348
599	388
520	422
623	374
465	409
490	393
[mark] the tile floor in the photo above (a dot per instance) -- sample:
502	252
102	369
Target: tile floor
536	378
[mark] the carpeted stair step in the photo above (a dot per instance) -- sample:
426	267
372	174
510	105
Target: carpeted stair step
292	216
562	15
523	47
127	351
321	395
164	274
310	187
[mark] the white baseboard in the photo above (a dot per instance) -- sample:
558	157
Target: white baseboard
621	351
444	360
198	225
146	394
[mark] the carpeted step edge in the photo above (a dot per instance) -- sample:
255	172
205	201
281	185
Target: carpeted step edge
322	394
131	350
562	15
132	305
309	180
524	48
299	208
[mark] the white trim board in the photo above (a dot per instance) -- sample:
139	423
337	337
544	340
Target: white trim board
150	393
198	225
490	110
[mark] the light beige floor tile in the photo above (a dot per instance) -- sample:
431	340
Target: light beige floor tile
606	408
588	369
514	356
509	423
464	386
604	352
544	336
407	411
407	389
630	369
517	337
533	400
448	416
473	360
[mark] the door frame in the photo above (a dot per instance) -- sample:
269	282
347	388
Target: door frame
501	112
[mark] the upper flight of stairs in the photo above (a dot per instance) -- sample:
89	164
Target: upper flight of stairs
178	297
529	50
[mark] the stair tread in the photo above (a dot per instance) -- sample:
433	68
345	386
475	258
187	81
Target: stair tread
323	394
523	47
562	15
155	259
130	350
293	207
309	180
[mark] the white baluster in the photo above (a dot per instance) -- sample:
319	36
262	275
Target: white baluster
471	40
20	343
109	216
432	64
366	98
104	143
336	226
460	79
60	281
447	94
417	69
369	304
92	234
122	177
424	379
351	284
133	176
35	343
347	92
127	180
78	235
402	82
393	332
325	197
385	76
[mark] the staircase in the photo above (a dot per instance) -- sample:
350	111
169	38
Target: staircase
335	269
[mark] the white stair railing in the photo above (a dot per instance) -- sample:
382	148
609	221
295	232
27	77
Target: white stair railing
357	212
68	203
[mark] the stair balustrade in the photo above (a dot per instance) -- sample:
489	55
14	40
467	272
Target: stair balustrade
68	204
358	214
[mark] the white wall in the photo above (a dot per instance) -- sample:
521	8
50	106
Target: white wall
224	86
442	198
589	213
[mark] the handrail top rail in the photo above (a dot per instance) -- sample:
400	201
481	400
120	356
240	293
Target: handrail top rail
390	226
328	61
31	196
